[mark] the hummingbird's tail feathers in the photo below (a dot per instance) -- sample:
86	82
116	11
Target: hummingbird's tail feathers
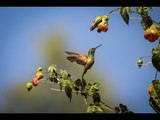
84	72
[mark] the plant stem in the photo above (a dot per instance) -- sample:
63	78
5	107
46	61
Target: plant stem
145	56
156	74
135	18
113	11
108	107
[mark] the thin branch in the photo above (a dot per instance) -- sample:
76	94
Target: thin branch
113	11
57	90
63	90
108	107
135	18
156	74
145	56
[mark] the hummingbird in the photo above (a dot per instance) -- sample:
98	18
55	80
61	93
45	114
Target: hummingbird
86	60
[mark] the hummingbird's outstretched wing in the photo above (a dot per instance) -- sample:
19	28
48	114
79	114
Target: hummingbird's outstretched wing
76	57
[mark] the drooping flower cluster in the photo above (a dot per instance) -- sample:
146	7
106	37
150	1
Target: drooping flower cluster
101	23
36	79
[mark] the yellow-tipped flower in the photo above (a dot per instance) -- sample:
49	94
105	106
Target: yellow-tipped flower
101	23
105	18
40	69
40	74
98	19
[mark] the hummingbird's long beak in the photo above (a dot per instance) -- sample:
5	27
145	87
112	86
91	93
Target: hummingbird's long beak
98	46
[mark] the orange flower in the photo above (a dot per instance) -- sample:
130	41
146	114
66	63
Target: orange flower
151	34
150	88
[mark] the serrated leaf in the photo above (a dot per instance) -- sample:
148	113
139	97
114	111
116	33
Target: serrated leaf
68	90
125	15
96	97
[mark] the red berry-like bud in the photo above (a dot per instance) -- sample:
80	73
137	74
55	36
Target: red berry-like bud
35	81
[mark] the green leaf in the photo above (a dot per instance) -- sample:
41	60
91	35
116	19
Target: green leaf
117	109
156	58
125	15
98	109
155	104
94	108
96	97
60	85
96	86
123	108
146	22
64	74
143	10
91	109
156	86
52	72
68	90
154	100
83	83
78	82
52	68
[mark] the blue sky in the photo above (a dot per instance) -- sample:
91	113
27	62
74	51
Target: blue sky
122	46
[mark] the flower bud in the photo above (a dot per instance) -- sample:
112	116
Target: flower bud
35	81
98	19
139	63
39	75
29	86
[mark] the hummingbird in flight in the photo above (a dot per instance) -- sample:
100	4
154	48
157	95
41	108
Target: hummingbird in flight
86	60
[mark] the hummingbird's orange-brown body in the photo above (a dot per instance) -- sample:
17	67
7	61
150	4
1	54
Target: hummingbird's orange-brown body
86	61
